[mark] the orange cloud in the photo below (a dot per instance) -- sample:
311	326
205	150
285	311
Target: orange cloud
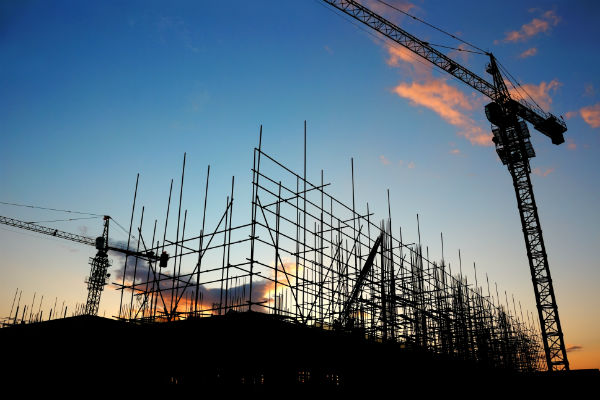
449	103
528	53
388	12
401	57
397	54
434	93
570	114
455	151
384	160
591	115
536	26
438	96
286	278
540	172
571	145
540	93
552	17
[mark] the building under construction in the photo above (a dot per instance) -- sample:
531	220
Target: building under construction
309	290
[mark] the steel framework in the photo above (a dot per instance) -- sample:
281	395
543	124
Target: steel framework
307	258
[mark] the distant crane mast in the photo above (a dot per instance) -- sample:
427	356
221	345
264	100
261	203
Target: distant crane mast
99	263
511	138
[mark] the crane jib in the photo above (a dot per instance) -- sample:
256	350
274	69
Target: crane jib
545	123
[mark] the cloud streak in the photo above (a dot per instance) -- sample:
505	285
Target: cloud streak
529	53
573	348
425	90
383	10
540	93
449	103
542	172
536	26
591	115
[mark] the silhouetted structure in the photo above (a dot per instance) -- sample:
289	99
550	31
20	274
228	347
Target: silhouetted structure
308	259
309	291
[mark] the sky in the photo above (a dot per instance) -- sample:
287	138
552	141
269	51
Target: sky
93	93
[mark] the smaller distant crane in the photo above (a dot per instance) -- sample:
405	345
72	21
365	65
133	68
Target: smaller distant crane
99	263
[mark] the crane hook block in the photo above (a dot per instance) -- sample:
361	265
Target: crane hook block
164	259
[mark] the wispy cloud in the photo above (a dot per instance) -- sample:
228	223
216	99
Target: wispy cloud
454	150
542	172
449	103
589	90
401	57
591	115
540	93
425	90
400	163
388	12
573	347
544	23
529	53
571	114
571	145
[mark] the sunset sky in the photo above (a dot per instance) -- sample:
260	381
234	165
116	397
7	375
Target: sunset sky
92	93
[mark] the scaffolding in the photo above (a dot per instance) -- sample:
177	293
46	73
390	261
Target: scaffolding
302	258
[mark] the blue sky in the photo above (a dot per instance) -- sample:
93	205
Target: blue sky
91	93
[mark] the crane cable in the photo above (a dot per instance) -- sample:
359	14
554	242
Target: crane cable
379	38
92	215
455	48
60	220
383	40
436	28
51	209
518	87
123	229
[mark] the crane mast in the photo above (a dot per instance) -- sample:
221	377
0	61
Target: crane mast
98	272
99	263
511	138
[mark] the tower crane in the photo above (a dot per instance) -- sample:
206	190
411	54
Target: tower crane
99	263
511	138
